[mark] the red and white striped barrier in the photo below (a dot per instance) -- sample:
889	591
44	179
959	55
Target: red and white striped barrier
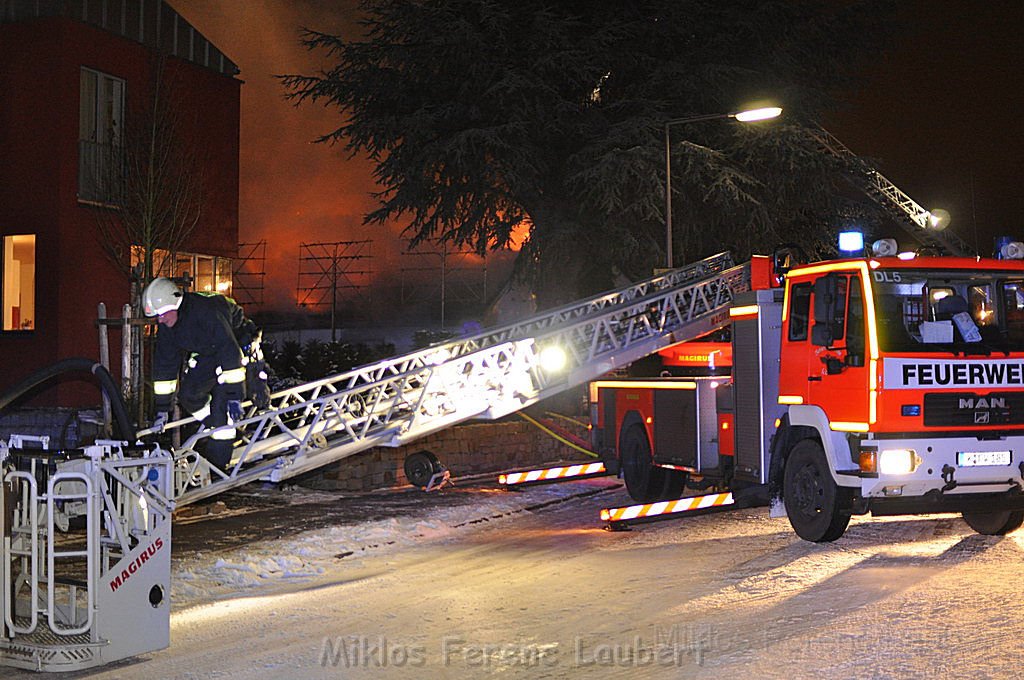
552	474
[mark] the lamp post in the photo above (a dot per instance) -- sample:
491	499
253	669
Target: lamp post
747	116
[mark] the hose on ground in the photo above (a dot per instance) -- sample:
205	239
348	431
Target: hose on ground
125	429
558	437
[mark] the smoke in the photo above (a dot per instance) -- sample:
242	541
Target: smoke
292	190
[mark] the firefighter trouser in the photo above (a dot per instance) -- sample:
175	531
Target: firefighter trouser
206	399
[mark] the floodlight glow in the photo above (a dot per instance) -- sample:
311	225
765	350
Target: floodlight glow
552	358
758	114
851	241
938	219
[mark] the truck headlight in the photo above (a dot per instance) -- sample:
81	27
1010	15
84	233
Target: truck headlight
897	461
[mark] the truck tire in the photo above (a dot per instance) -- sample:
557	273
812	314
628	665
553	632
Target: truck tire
994	523
644	482
420	467
818	509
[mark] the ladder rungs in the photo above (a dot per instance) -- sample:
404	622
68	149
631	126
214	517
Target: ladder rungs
71	553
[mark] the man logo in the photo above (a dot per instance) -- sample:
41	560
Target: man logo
982	402
981	417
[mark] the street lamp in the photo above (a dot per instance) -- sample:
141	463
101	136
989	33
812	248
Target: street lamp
748	116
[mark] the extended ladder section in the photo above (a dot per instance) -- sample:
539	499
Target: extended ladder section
85	554
489	375
917	221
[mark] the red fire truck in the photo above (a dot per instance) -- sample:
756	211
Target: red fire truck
882	384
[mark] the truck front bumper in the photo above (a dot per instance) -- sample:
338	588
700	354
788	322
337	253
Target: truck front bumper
937	501
949	475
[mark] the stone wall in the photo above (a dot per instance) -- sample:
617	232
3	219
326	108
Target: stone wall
465	449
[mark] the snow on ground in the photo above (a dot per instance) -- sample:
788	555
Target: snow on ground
547	594
266	565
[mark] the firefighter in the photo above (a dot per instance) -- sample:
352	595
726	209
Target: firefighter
211	336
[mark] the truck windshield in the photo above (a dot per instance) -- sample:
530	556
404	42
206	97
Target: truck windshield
940	311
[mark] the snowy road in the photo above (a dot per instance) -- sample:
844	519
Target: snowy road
545	593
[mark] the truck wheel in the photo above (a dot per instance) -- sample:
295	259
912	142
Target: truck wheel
818	509
994	523
419	467
644	482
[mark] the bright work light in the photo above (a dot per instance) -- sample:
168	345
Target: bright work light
552	358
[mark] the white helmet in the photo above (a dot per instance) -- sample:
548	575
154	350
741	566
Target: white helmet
160	296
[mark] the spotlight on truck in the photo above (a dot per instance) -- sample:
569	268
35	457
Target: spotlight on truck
884	247
552	359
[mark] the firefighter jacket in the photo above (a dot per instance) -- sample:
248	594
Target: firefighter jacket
210	327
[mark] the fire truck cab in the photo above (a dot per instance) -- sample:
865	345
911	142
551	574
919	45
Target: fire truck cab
889	385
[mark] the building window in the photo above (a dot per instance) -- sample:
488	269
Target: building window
19	282
205	273
100	135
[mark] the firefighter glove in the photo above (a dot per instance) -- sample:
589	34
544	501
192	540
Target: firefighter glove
160	421
235	409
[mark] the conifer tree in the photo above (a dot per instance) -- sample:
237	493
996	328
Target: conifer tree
488	119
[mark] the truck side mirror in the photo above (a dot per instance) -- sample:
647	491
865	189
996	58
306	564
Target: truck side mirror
825	290
833	365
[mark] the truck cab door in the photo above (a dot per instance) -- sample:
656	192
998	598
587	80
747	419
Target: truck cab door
837	373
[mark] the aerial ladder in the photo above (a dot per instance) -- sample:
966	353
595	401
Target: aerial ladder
485	376
919	223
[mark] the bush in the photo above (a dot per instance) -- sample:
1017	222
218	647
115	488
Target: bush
294	364
425	338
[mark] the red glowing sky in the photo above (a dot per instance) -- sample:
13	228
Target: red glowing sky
291	189
937	116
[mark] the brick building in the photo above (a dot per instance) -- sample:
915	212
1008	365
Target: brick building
72	75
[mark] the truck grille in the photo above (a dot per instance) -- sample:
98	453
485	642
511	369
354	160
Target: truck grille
966	408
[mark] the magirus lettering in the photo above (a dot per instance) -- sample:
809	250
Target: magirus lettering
135	565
